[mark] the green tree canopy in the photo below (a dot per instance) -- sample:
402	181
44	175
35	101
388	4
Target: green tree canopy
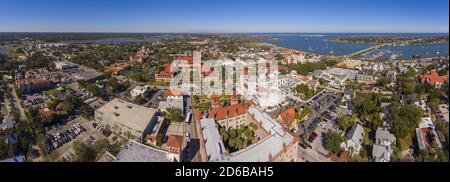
333	142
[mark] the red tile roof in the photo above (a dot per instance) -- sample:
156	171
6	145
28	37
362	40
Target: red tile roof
288	116
173	93
434	77
175	141
46	113
165	73
27	82
189	59
227	111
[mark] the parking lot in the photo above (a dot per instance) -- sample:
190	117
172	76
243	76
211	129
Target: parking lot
59	136
318	143
321	106
156	97
89	136
310	155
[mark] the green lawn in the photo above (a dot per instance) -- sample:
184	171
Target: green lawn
160	83
52	92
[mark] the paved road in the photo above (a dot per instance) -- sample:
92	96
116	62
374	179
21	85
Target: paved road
309	155
6	107
16	101
191	152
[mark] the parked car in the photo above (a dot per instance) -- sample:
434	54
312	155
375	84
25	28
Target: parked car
312	137
188	137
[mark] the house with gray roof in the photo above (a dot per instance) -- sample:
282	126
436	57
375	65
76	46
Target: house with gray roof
19	158
12	139
381	153
7	124
354	139
381	149
349	93
384	137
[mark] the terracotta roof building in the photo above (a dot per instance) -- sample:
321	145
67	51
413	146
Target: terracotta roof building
287	118
230	116
31	86
46	113
175	145
115	69
188	59
434	79
165	75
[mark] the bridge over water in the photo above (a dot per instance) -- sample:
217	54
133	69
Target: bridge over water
367	50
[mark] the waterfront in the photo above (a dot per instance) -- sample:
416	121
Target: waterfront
324	44
118	40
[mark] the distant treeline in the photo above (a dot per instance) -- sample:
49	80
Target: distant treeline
384	40
56	37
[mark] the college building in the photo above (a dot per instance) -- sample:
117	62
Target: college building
127	119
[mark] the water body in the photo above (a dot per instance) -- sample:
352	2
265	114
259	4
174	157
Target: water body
323	44
425	51
102	41
118	40
3	50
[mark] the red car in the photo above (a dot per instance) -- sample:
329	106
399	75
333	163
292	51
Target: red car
312	137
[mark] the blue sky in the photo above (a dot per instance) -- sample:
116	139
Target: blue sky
218	16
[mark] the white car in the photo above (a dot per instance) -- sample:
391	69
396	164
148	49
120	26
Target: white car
188	137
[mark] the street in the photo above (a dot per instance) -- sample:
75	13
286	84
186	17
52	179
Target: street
16	101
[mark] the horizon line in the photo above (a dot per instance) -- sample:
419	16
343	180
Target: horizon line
262	32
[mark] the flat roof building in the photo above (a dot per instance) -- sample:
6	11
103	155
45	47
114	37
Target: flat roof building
137	152
139	91
215	149
426	135
62	65
128	119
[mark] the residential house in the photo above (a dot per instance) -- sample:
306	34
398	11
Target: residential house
354	139
381	149
426	135
7	124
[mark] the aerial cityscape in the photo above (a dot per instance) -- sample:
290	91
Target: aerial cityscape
224	81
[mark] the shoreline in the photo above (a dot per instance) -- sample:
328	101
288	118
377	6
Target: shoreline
339	55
